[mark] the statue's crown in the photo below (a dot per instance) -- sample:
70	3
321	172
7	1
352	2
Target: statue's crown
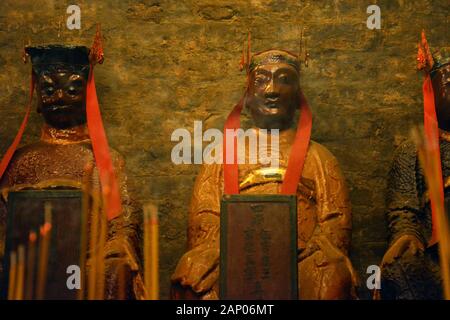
274	57
250	61
441	58
48	57
68	57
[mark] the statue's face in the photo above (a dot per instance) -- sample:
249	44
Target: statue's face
273	95
441	88
62	98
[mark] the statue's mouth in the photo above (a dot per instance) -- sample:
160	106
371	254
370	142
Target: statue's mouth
58	108
271	107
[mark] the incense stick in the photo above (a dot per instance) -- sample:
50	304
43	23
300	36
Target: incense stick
12	275
147	267
44	247
151	251
20	272
31	257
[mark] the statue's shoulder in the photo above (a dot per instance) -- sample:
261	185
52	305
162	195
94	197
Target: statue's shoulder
404	157
39	151
29	151
24	163
404	183
116	157
407	150
211	170
320	152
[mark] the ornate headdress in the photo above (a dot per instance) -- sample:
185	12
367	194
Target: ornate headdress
274	57
55	57
441	58
250	61
428	61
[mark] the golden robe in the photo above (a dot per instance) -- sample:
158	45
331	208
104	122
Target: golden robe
323	221
59	159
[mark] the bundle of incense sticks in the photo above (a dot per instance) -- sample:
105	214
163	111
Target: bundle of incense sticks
430	162
21	277
21	272
151	251
44	247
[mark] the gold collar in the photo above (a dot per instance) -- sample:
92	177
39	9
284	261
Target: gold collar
64	136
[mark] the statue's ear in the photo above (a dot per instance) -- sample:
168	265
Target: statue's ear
244	101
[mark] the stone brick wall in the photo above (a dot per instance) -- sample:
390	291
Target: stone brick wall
170	62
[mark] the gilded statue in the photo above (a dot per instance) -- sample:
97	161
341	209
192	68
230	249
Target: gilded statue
323	207
62	74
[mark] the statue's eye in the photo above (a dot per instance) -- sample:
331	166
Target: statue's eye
259	80
74	87
284	78
447	79
72	90
49	90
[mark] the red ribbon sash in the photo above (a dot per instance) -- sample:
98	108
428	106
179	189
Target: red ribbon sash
13	147
431	130
108	180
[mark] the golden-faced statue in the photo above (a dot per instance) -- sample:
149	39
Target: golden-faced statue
272	98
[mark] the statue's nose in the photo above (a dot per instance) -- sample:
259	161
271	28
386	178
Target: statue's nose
270	87
60	93
272	95
271	90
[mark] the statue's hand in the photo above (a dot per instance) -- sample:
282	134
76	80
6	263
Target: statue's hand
327	251
331	274
199	268
405	245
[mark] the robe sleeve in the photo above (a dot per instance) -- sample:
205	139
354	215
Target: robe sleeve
204	216
333	203
125	236
124	231
403	202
